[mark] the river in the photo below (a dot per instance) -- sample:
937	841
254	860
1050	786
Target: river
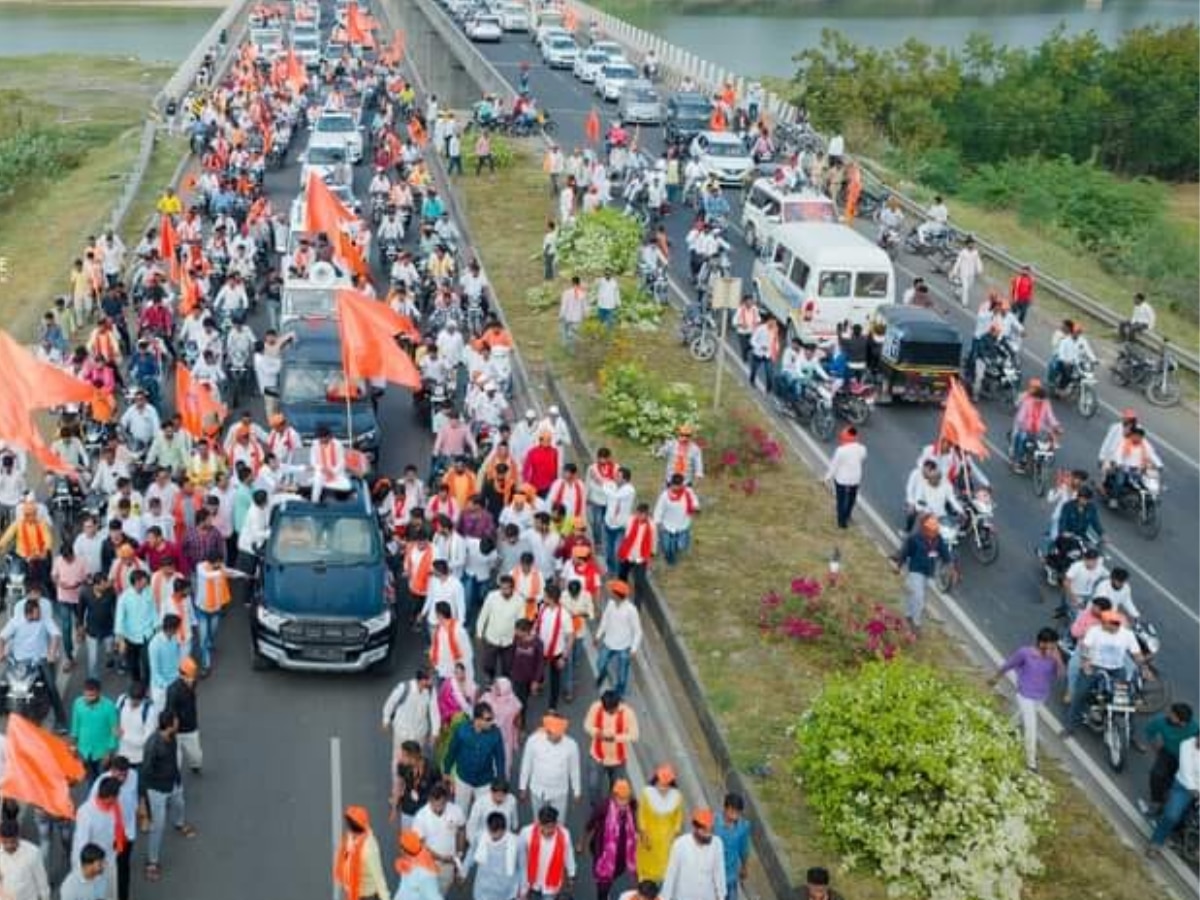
155	34
752	41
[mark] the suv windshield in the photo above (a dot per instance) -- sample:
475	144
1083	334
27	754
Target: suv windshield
313	384
325	156
308	302
335	123
728	151
334	541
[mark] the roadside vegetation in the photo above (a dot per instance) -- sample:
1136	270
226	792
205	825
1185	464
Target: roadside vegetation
767	628
1072	141
69	131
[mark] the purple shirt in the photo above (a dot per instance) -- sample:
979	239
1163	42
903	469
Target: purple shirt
1036	674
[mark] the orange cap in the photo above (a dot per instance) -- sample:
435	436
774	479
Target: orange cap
125	551
410	842
703	817
188	667
359	816
555	725
618	588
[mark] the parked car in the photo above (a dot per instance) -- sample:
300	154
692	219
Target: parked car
640	103
484	28
559	52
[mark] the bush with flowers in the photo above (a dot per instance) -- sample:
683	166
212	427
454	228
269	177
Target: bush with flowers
744	451
636	405
917	780
600	241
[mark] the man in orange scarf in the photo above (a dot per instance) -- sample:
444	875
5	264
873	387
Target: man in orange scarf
357	865
34	541
549	856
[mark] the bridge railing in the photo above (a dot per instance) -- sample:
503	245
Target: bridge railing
678	64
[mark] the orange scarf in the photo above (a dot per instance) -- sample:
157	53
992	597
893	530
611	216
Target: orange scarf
529	587
31	541
423	860
450	629
558	855
618	747
113	808
679	464
347	865
418	578
214	588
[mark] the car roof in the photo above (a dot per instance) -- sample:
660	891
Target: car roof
691	98
317	341
334	504
804	193
829	243
916	322
639	84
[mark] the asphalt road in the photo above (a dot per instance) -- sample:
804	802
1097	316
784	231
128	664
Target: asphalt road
1008	601
284	751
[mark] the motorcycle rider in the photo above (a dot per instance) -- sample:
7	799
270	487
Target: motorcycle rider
390	231
1034	417
240	342
715	204
1081	578
141	421
936	219
1104	654
891	221
145	370
1068	353
929	492
33	638
1116	588
1117	432
801	367
1130	460
380	188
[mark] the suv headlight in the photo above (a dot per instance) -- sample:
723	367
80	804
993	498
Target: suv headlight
380	622
268	619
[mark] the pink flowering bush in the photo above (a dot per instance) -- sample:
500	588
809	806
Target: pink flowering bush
744	451
850	625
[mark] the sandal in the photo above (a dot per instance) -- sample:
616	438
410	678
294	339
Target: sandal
186	830
153	872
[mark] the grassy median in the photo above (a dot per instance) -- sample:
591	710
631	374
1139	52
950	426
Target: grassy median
748	543
89	110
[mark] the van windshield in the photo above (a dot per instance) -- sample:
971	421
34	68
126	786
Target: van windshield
313	302
307	540
833	285
871	284
808	211
313	384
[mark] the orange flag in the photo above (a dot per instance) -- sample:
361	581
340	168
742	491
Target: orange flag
323	211
358	27
416	132
38	384
368	331
168	244
592	127
294	72
18	429
962	425
351	255
39	769
195	403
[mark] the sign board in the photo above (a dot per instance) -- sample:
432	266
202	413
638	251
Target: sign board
726	293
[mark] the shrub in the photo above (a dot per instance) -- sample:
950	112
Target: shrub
851	627
639	310
744	451
600	241
30	156
918	780
637	406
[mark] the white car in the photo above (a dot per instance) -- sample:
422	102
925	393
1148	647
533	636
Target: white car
484	28
336	128
560	52
329	161
307	46
614	51
514	17
722	155
588	63
612	78
545	32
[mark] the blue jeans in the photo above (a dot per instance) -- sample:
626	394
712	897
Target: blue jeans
612	540
159	802
64	614
206	636
474	590
1020	441
99	652
607	317
607	655
1179	801
595	517
674	544
573	662
1085	683
766	366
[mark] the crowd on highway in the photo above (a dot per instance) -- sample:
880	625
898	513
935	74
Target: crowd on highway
513	754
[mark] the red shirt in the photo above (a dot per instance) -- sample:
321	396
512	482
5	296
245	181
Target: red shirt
541	467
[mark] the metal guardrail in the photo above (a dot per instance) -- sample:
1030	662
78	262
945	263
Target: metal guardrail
680	62
178	84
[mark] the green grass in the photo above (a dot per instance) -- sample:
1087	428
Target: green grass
714	594
101	103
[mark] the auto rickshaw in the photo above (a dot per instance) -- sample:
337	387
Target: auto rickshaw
918	353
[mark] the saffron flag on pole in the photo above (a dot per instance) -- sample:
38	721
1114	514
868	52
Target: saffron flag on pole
294	73
39	384
323	211
18	429
368	332
962	425
592	127
199	411
39	768
168	244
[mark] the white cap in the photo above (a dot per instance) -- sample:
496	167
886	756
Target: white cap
553	411
530	414
489	385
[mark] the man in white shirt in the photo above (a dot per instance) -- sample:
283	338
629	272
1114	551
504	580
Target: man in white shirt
498	800
12	487
673	513
1141	318
442	826
1116	588
1132	456
967	268
22	871
1184	790
1080	581
620	500
443	588
608	299
550	773
496	627
1071	350
845	473
619	636
141	421
1106	651
327	457
696	866
550	845
929	491
411	712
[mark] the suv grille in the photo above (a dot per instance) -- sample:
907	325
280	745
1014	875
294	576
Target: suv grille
316	632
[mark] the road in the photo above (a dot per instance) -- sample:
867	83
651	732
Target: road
1007	601
284	751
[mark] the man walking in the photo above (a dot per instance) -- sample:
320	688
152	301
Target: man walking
1166	732
411	712
845	473
93	727
572	311
550	773
1020	293
181	701
696	866
612	726
475	756
1038	667
164	789
920	554
618	637
968	266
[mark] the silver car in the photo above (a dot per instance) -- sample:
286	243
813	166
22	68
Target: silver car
640	103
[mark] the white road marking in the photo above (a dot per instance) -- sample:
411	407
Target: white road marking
335	800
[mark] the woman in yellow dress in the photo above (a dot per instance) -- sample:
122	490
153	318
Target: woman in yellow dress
659	822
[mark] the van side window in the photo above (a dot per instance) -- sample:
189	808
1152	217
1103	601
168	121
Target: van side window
781	257
799	273
758	197
871	284
834	285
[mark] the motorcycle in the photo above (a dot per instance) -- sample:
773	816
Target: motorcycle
24	691
853	401
1157	376
937	242
1082	386
66	503
1141	496
813	406
998	375
239	375
1038	460
12	579
657	283
698	332
96	436
890	241
979	524
1057	557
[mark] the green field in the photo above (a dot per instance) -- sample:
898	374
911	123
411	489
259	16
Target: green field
89	111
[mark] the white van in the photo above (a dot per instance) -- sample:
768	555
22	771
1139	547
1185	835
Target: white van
815	275
314	297
769	205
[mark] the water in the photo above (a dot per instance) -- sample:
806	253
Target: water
757	42
154	34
